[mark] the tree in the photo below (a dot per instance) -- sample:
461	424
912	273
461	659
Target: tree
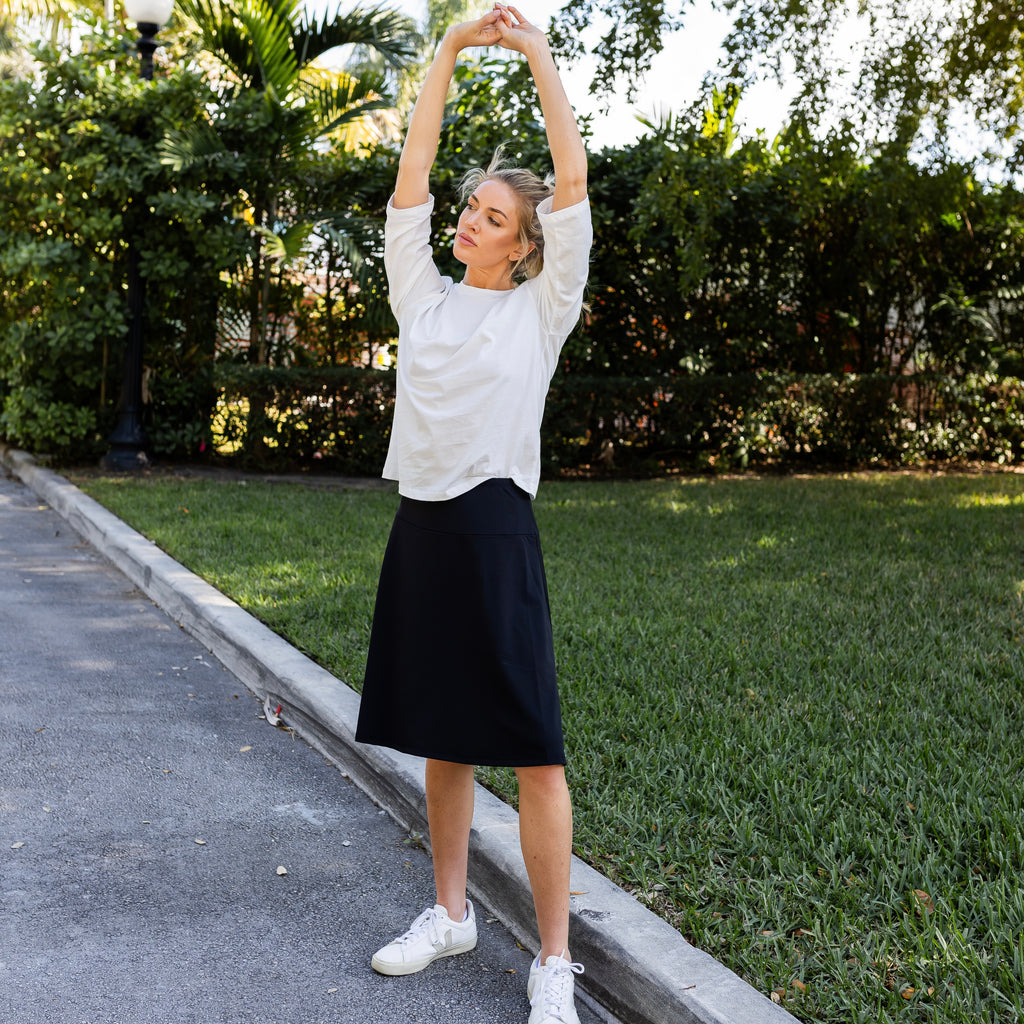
79	178
268	51
920	67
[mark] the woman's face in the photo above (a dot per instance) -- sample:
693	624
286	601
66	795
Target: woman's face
487	237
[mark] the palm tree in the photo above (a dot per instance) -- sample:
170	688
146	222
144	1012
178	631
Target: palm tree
269	51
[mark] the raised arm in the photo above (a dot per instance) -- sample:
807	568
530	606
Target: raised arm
412	187
568	154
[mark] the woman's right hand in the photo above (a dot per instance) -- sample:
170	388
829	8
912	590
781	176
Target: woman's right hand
482	32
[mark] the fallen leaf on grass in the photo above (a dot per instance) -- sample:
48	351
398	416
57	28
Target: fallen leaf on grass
799	985
777	995
924	900
908	992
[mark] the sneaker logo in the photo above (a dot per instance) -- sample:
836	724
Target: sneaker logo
443	943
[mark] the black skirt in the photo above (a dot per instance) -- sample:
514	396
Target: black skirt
461	662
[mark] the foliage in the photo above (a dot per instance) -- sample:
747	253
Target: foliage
795	255
913	70
341	315
339	419
336	418
269	53
79	184
791	705
719	264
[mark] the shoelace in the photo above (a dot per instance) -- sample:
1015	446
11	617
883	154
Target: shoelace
426	922
558	988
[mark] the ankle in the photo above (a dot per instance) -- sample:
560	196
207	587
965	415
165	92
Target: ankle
456	910
560	951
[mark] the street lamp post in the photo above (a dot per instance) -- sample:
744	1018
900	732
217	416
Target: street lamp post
128	441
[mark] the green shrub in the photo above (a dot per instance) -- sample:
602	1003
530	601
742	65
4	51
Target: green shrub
339	418
80	181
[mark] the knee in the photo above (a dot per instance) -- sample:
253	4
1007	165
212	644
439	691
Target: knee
546	779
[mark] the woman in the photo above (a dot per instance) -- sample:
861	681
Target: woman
461	666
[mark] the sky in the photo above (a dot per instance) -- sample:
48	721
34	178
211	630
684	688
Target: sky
673	82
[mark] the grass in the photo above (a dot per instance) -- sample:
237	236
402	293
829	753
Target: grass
792	706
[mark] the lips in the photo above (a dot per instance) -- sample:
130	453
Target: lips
465	239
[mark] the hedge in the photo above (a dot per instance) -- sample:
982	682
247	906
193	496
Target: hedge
339	419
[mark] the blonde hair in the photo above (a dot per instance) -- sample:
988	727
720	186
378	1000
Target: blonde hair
530	191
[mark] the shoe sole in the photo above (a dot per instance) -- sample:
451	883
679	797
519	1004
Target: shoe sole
415	966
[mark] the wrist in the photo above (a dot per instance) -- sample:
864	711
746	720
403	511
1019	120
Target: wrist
450	45
537	48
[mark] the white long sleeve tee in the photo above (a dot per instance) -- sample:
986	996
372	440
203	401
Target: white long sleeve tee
474	364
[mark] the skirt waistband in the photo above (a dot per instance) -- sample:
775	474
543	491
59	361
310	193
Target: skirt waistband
496	506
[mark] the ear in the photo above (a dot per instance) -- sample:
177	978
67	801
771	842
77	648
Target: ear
517	253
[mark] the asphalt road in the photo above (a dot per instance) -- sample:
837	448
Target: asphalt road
146	812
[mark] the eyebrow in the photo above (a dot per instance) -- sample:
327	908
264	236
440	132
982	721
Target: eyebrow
492	209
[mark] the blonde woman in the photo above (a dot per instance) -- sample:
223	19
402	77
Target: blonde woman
460	668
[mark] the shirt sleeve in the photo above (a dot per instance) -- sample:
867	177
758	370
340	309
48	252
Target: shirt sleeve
409	259
568	235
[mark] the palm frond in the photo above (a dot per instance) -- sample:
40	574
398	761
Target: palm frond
251	38
268	25
359	240
382	29
341	98
356	238
223	35
189	146
288	245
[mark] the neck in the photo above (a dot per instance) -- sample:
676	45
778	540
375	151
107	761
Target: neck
480	277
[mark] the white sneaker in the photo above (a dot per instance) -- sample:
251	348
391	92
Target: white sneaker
432	935
550	991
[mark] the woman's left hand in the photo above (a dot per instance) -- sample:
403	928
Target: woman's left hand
515	32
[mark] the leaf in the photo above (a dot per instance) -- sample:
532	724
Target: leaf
282	870
17	846
925	901
288	246
200	842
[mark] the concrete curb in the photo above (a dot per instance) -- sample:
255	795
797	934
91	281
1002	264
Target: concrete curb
638	966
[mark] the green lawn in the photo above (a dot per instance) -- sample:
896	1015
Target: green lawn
792	706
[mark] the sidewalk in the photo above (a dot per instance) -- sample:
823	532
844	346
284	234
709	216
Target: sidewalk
256	946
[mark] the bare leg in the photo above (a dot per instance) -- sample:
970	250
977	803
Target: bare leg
545	830
450	817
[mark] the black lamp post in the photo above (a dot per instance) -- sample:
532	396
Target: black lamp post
128	441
